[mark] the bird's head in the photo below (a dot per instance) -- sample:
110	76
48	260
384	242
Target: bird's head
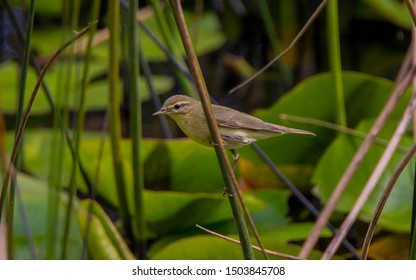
177	106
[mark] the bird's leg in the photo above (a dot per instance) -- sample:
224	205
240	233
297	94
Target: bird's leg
233	151
235	157
212	143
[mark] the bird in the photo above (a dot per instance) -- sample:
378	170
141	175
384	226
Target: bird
237	129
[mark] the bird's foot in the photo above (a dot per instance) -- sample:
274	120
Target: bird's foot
226	193
236	156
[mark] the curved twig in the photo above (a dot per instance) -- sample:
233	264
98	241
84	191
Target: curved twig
295	40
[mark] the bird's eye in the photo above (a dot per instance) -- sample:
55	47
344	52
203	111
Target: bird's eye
177	106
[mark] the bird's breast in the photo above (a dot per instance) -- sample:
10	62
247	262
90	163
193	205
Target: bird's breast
196	129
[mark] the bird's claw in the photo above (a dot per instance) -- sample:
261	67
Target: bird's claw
227	194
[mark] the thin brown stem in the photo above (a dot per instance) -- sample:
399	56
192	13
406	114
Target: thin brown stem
412	10
3	242
270	252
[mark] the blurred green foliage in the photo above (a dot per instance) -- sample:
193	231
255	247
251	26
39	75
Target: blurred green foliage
183	182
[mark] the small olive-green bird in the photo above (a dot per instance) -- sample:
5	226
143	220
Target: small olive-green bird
237	129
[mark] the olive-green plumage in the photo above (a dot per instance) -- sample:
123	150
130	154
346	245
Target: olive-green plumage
237	129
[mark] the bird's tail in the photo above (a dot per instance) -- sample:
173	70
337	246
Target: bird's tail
300	131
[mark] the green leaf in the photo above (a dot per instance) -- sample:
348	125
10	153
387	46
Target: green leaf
31	219
397	212
205	247
294	232
104	241
168	212
207	32
274	215
392	10
43	7
176	165
48	40
200	247
268	208
193	167
207	29
36	146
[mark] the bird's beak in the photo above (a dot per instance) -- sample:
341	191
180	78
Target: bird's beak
160	112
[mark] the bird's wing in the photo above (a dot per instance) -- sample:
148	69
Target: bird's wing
231	118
